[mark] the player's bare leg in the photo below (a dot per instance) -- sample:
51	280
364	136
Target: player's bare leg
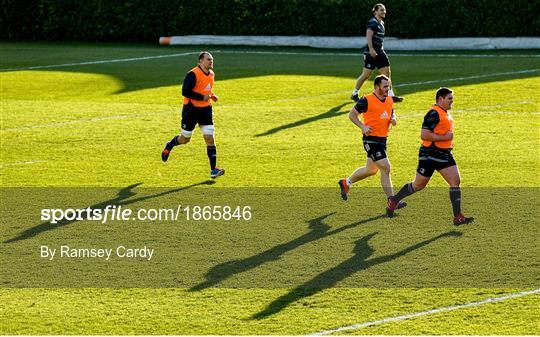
366	74
359	174
420	182
386	181
386	71
364	171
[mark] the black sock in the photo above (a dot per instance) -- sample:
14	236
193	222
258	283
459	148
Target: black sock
172	143
212	155
455	198
405	191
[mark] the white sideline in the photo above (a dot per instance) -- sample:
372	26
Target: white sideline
22	163
359	54
101	61
428	312
469	77
77	121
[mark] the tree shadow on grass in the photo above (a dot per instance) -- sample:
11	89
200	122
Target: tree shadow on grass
330	278
120	200
334	112
318	230
156	71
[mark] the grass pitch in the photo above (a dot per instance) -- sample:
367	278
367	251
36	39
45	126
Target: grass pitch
281	122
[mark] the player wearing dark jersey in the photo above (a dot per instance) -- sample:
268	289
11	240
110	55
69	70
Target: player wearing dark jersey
374	54
436	154
197	109
377	110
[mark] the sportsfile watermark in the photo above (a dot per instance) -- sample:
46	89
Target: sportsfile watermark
297	238
121	213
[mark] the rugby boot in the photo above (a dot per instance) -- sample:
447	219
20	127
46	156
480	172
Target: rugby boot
391	206
166	152
216	172
462	219
344	189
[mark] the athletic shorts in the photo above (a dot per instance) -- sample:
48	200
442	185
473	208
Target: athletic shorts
375	147
379	62
192	116
431	159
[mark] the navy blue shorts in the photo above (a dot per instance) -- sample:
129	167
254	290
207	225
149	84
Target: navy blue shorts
375	147
192	116
379	62
431	159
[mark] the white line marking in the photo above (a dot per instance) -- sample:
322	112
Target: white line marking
489	107
143	58
39	126
101	61
482	109
476	112
428	312
469	77
22	163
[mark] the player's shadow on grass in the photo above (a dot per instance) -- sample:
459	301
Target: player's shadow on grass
119	200
318	230
359	261
334	112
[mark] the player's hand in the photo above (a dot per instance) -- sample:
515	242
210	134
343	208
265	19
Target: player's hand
373	53
393	121
206	98
214	97
366	130
448	136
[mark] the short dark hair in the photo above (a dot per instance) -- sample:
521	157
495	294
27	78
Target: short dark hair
203	54
442	92
379	79
376	7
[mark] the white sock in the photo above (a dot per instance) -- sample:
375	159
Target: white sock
391	93
349	181
355	92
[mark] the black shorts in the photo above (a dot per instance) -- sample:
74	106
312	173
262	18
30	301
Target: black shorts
375	147
192	116
431	159
379	62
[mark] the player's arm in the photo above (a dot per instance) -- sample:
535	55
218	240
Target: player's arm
354	115
187	88
393	120
430	122
369	40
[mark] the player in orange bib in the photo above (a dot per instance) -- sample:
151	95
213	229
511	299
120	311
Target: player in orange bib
436	154
197	109
377	109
